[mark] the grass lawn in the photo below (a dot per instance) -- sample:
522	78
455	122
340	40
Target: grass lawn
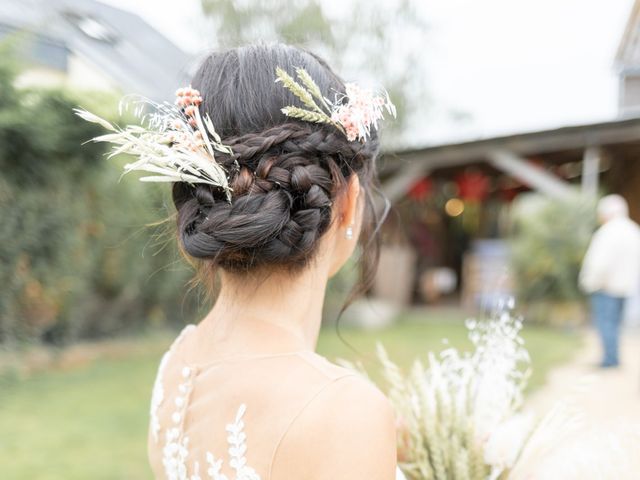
90	422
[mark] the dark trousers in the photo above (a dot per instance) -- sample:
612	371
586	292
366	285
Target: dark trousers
607	316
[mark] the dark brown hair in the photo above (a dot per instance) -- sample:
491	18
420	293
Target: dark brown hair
290	175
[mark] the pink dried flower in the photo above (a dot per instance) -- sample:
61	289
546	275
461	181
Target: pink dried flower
362	111
354	113
188	96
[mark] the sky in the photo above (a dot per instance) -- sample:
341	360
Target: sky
495	66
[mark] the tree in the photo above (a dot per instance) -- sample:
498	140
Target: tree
76	258
380	42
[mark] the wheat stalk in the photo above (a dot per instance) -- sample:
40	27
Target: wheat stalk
312	87
298	90
306	115
306	94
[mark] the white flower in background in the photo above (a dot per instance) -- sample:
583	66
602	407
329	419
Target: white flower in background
500	370
567	447
458	412
458	417
505	442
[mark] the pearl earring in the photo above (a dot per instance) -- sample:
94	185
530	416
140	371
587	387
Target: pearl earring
349	232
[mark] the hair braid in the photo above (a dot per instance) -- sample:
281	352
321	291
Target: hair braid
285	174
281	202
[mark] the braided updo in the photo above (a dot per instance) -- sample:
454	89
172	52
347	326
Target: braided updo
285	174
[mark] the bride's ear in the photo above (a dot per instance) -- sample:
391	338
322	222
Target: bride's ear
348	221
349	215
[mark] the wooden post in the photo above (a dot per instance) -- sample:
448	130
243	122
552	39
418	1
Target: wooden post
591	171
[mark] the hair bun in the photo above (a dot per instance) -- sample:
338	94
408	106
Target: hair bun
256	229
284	174
277	213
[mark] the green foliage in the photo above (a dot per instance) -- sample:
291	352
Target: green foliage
548	243
74	247
372	40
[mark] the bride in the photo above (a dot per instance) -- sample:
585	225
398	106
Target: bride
243	394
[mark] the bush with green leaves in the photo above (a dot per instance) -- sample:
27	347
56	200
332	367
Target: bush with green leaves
548	242
78	256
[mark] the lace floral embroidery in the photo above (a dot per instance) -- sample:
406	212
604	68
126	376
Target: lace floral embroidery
237	448
176	449
157	396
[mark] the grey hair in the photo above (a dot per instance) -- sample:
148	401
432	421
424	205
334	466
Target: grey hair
612	206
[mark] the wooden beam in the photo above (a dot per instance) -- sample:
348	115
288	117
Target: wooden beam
527	144
531	175
591	171
398	185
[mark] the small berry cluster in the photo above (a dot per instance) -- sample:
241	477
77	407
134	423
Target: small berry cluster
189	100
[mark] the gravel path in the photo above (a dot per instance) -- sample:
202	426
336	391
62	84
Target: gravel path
603	394
606	444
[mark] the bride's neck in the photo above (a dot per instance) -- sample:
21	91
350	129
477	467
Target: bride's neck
277	312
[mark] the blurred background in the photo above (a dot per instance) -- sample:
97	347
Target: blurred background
514	118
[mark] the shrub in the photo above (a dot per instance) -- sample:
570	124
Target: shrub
549	240
77	257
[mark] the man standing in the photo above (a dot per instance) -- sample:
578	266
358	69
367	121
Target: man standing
611	271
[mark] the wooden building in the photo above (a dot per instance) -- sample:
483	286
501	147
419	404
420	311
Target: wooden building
484	176
627	63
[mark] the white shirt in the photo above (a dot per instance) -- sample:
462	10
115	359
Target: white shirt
612	261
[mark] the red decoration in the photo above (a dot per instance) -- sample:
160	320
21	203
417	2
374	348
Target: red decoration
472	185
421	189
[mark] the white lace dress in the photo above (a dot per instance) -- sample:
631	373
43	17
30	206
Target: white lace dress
186	438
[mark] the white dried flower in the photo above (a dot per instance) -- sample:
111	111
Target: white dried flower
174	143
505	442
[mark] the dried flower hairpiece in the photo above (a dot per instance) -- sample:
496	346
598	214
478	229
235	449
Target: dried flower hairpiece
353	113
177	144
174	142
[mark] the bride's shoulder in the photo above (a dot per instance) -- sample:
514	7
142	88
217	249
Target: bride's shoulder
351	422
325	366
351	388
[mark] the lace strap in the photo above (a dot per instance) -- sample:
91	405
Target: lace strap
187	328
300	411
157	396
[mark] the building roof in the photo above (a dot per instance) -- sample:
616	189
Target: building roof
135	56
603	134
628	53
617	140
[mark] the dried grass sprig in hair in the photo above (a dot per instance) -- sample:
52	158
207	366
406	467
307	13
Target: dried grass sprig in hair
175	143
354	113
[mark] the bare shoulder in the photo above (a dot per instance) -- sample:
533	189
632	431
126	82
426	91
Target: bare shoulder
347	431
